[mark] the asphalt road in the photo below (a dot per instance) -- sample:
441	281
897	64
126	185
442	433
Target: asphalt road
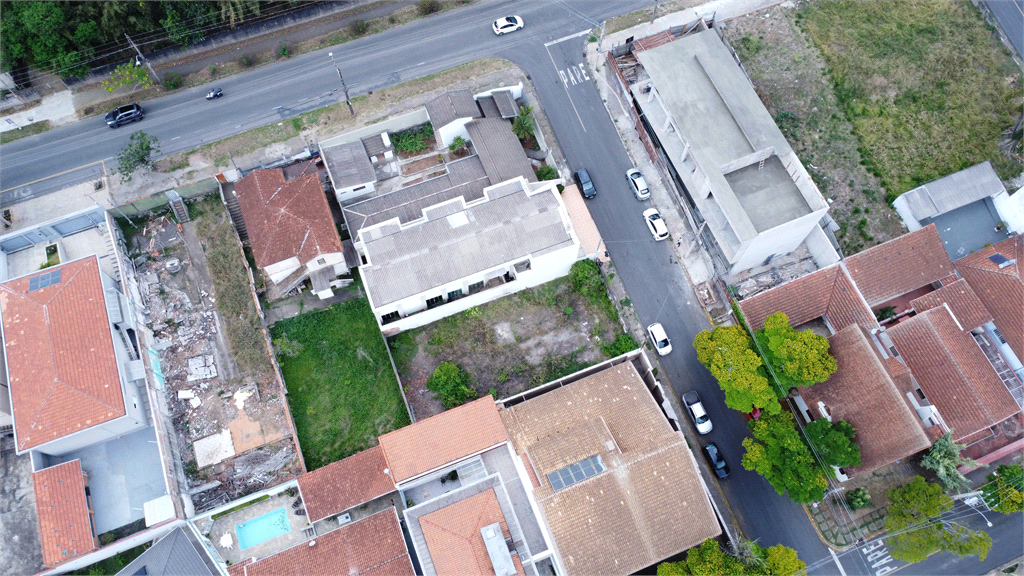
1010	16
656	283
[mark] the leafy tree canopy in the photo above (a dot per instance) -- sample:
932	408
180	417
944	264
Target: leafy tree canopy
781	560
1005	489
778	453
137	154
834	442
747	558
944	458
709	558
797	358
914	528
451	384
727	353
128	74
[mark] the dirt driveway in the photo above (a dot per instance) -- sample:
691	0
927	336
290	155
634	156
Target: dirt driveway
509	345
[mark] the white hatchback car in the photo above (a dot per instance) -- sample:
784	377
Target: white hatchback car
656	223
507	24
659	338
638	184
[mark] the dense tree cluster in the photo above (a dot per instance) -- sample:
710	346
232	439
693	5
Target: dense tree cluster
796	358
748	558
727	351
914	527
778	452
1004	491
833	441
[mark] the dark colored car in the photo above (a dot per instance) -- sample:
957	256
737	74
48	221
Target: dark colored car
715	459
125	114
586	184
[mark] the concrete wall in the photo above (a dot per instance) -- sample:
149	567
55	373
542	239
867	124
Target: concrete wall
331	259
396	124
779	240
517	91
542	269
821	249
449	132
89	436
345	195
903	209
1011	209
280	270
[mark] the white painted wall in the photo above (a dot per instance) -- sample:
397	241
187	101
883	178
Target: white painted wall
903	209
345	195
396	124
1011	209
821	249
449	132
543	269
278	271
779	240
330	259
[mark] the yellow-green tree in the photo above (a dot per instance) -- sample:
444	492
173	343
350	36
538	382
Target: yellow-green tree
796	358
778	452
728	354
128	74
783	561
709	558
1005	489
915	527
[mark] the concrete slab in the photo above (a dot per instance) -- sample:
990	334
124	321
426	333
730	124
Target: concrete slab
247	434
767	194
19	526
58	108
968	228
213	449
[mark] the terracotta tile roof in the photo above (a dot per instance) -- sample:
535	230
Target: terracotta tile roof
373	545
828	292
65	528
345	484
49	333
900	265
239	568
861	392
1002	291
286	219
615	522
446	437
453	535
962	301
953	372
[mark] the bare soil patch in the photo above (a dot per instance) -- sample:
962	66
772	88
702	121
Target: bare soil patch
417	166
509	345
788	74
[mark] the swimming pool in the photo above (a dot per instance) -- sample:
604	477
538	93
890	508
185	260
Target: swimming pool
263	528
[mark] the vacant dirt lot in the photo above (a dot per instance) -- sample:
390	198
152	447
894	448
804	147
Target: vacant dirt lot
509	345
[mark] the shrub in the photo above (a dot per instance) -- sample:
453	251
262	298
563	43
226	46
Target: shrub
623	343
172	80
427	7
450	383
283	50
858	498
358	27
547	173
244	62
213	70
392	20
458	144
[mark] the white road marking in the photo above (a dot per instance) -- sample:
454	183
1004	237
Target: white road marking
566	87
836	559
569	37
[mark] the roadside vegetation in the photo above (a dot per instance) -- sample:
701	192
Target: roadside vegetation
341	388
913	526
25	131
745	557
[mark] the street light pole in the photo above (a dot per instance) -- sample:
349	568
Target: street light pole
343	86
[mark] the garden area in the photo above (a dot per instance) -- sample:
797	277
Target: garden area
341	388
511	344
877	98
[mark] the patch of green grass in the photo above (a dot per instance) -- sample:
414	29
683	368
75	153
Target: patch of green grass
27	130
403	349
927	87
241	506
341	389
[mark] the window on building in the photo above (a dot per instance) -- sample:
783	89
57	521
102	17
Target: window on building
522	266
390	317
576	472
321	261
455	294
434	302
920	393
476	287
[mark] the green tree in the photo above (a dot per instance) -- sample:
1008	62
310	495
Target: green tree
782	561
944	458
547	173
915	529
1005	489
137	154
779	453
451	384
834	442
858	498
797	358
459	143
523	124
709	558
673	569
184	21
726	351
128	74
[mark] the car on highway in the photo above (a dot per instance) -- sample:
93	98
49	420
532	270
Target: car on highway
507	24
638	184
586	184
714	456
125	114
656	224
700	417
659	338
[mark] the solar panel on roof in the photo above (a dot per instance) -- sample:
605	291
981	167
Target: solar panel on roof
576	472
1000	260
43	280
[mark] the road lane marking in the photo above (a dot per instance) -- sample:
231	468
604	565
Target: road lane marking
57	174
569	37
838	563
566	88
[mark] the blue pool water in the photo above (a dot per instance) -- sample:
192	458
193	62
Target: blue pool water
263	528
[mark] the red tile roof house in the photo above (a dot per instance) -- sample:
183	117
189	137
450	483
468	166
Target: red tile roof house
65	513
290	227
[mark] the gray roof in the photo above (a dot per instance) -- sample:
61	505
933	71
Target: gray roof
499	149
506	103
451	106
374	145
489	107
953	191
455	241
348	164
173	555
465	178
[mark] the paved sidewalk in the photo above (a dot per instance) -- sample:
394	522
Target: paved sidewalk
58	108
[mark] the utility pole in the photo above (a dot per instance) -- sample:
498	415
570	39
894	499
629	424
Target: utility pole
343	86
654	12
143	58
601	39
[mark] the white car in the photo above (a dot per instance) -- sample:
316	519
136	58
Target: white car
700	417
507	24
659	338
638	184
656	223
